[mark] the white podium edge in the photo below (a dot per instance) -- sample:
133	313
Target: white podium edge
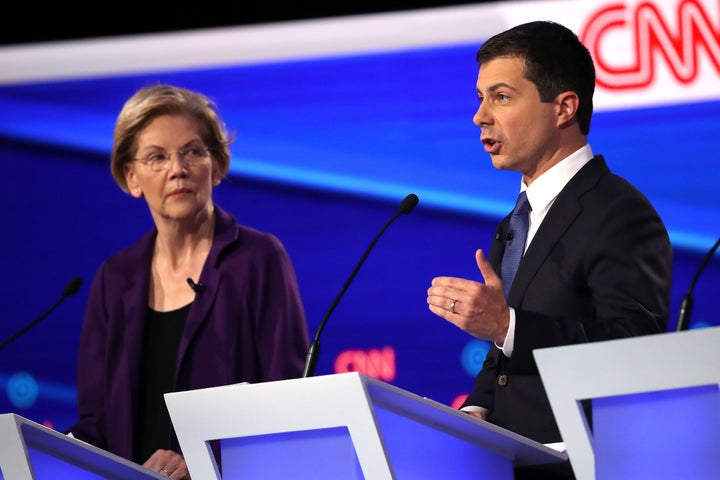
329	401
648	363
18	434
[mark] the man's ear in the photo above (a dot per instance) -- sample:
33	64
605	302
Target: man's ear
568	103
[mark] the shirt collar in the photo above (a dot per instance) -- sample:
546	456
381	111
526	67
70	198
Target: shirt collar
548	185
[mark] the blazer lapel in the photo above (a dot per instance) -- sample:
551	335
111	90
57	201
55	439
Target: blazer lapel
559	218
225	236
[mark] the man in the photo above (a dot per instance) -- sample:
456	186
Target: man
598	261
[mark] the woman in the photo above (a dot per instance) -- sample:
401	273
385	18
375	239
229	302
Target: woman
199	301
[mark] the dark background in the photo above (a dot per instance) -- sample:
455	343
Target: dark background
62	21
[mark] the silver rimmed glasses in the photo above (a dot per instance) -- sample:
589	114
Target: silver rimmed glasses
160	161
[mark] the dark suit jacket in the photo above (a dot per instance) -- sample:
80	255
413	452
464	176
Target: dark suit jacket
246	325
598	268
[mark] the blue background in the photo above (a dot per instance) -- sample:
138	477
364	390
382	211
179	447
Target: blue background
325	151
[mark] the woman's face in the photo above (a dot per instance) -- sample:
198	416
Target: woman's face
176	186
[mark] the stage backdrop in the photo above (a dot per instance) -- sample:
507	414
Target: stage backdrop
336	122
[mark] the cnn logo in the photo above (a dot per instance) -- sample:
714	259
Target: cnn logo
645	36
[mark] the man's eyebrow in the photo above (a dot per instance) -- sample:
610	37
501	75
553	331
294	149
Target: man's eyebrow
497	86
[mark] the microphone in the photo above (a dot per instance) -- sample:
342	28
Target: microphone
197	287
506	237
71	288
406	206
687	301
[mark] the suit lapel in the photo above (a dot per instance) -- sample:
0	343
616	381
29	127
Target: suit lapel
559	218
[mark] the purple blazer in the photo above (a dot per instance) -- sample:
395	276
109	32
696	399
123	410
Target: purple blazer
246	325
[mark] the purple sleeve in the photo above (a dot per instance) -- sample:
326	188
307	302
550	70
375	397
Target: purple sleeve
91	361
281	328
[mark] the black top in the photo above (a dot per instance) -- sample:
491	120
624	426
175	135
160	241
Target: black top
159	356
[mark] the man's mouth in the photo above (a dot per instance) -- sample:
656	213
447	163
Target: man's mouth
491	145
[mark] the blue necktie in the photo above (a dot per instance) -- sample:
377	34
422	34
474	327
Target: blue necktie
515	241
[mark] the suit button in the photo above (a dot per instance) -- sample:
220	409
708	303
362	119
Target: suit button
502	379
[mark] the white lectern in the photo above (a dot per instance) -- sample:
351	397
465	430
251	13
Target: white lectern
30	451
655	405
347	426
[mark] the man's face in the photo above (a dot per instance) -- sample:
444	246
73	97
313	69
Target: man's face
517	129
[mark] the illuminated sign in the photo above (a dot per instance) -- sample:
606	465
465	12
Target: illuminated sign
376	363
653	38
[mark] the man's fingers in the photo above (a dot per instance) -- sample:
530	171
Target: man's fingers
489	276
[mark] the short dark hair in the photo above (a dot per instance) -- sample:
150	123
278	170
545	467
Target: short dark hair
555	62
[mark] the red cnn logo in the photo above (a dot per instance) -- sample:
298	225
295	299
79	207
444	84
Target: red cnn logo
374	363
652	39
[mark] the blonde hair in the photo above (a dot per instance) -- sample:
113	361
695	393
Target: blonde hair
153	101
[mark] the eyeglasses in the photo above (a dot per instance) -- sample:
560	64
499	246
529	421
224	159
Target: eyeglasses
159	162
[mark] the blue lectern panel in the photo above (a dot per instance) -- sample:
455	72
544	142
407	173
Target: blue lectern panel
308	454
50	467
666	434
414	457
53	456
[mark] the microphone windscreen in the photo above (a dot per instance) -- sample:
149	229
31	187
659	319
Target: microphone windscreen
73	286
408	203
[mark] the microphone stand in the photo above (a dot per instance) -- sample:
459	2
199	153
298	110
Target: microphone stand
71	288
406	206
687	301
